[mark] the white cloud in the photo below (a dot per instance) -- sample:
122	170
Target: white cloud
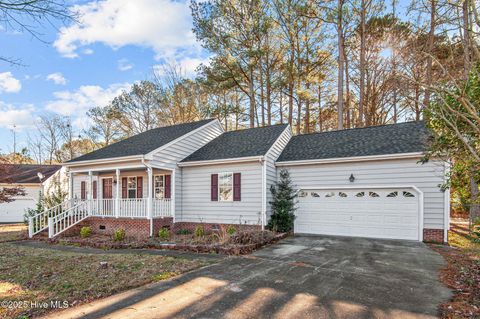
22	117
8	83
124	65
187	66
87	51
76	103
57	78
163	25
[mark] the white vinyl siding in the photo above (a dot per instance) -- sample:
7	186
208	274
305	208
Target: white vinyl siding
426	177
170	156
271	157
13	212
196	201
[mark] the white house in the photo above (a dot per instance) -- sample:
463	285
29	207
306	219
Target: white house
34	179
364	182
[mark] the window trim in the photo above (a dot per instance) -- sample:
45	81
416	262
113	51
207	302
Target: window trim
136	186
219	186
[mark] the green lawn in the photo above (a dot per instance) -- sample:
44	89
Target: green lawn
34	274
10	232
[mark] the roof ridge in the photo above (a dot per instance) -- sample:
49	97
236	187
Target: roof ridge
257	127
359	128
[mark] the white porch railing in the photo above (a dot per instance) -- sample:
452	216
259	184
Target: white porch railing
162	207
63	216
133	207
103	207
67	219
39	222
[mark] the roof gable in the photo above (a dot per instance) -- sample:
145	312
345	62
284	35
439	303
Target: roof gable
238	144
409	137
26	173
142	143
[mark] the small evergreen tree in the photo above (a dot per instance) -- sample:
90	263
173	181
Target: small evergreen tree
283	204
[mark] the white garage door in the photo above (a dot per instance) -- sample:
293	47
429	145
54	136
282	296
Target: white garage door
376	213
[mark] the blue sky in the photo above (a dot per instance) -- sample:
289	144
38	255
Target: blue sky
83	65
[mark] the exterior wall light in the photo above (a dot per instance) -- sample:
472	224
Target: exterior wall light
351	178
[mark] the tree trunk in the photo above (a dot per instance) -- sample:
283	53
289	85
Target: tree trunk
430	44
361	100
262	97
340	64
307	111
320	108
347	88
281	106
251	96
466	39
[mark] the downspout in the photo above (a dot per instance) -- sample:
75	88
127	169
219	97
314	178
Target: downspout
150	194
264	192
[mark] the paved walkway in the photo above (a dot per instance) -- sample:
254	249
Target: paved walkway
301	277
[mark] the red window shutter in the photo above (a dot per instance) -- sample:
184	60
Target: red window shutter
168	186
83	190
237	187
214	188
124	187
139	187
94	189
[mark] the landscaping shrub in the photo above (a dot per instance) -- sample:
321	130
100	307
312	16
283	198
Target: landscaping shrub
119	235
251	237
283	204
164	234
85	231
199	231
183	232
231	230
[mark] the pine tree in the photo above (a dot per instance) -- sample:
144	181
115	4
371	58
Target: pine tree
283	204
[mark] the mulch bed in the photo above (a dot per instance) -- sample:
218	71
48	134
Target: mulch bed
462	274
238	244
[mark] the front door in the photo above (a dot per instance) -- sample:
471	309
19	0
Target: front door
107	188
106	205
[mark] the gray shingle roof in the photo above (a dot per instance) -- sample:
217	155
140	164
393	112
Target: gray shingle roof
26	173
241	143
374	140
142	143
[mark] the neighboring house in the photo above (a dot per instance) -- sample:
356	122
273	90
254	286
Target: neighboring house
26	176
359	182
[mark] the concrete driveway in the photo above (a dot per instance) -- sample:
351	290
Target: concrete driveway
300	277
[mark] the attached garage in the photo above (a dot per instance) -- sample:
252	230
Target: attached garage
393	213
368	182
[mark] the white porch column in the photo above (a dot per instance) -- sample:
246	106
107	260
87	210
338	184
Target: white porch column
172	196
70	185
117	193
150	191
90	192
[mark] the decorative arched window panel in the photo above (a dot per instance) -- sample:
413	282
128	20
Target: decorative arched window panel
360	194
331	194
408	194
302	194
393	194
373	194
342	194
315	194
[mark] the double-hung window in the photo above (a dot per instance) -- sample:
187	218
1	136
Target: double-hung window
225	187
159	185
132	187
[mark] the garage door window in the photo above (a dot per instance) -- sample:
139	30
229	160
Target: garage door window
360	194
342	194
392	194
408	194
373	194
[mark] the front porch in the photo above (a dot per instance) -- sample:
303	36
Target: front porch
131	191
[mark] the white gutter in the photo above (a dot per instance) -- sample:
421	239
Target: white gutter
352	159
263	162
221	161
103	160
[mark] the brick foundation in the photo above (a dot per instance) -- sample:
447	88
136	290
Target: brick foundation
433	235
139	228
